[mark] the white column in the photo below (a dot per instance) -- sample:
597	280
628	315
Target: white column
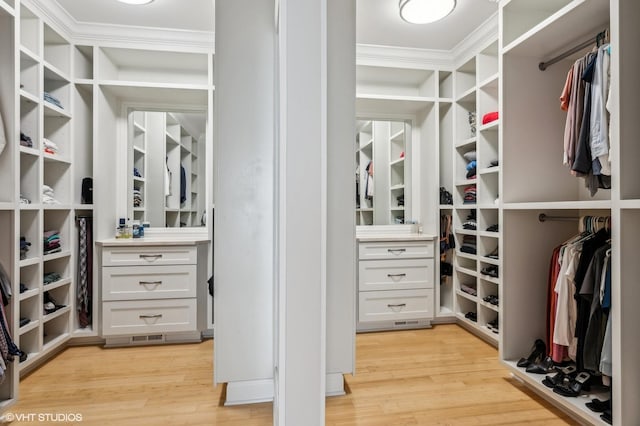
244	218
316	201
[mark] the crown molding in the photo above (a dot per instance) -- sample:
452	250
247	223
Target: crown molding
406	57
481	37
111	35
392	56
54	15
119	35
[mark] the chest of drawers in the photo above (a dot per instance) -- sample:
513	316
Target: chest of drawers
153	291
395	283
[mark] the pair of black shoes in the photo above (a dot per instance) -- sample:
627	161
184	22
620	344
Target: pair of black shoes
493	299
493	326
493	228
537	362
568	382
604	407
491	270
471	316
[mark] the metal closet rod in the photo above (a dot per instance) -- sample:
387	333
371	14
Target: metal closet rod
543	218
601	36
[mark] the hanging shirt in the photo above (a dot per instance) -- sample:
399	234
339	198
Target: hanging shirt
599	132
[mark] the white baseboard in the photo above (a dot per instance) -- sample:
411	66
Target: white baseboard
249	392
335	384
257	391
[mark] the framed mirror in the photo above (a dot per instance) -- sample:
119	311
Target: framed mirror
167	164
383	172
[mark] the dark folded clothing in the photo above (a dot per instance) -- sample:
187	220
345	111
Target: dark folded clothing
468	249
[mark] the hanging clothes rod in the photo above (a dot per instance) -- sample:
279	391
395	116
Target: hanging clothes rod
543	218
601	37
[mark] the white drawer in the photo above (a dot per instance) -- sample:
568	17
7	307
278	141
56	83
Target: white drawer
148	282
401	274
395	250
395	305
165	255
149	316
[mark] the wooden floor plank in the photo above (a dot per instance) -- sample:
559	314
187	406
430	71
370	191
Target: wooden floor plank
441	376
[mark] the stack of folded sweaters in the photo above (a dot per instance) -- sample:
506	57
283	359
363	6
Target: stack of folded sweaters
51	242
48	196
470	195
137	197
51	277
469	244
471	157
50	147
52	99
24	248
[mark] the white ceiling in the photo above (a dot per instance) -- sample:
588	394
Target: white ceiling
378	21
195	15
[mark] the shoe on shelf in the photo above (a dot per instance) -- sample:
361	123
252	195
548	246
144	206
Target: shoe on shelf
493	326
472	316
545	366
493	228
606	416
493	254
491	270
573	387
599	406
565	374
538	352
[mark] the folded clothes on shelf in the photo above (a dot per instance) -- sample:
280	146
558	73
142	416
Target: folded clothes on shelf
25	140
48	195
52	99
489	117
24	247
51	277
50	147
51	242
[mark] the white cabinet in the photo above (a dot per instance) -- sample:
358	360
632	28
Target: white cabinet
153	291
395	283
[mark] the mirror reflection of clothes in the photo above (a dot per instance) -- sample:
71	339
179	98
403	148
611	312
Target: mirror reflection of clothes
167	180
183	184
369	187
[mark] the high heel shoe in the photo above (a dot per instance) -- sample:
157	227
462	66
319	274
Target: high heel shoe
537	354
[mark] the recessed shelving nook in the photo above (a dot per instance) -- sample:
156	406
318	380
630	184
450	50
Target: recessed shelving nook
63	106
534	32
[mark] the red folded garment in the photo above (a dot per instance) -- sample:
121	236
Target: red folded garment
489	117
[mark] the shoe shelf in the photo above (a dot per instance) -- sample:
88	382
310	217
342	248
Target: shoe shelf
575	406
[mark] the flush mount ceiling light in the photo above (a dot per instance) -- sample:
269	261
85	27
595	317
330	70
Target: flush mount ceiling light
138	2
425	11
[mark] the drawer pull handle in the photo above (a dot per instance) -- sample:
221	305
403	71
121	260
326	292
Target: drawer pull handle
150	316
396	275
397	251
150	257
399	305
150	282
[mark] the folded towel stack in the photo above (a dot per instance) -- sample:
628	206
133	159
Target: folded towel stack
137	197
48	196
50	147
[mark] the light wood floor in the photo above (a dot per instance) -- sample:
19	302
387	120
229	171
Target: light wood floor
442	376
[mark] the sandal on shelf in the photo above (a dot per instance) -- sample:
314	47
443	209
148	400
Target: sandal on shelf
606	416
599	406
566	373
545	366
575	386
537	353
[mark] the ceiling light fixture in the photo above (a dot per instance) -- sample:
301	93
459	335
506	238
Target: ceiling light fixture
425	11
136	2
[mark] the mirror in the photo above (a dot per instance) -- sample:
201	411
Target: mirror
382	172
166	155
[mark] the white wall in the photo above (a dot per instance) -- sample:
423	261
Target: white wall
341	249
244	219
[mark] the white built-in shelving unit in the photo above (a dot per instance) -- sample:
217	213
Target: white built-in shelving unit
94	86
533	32
473	86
